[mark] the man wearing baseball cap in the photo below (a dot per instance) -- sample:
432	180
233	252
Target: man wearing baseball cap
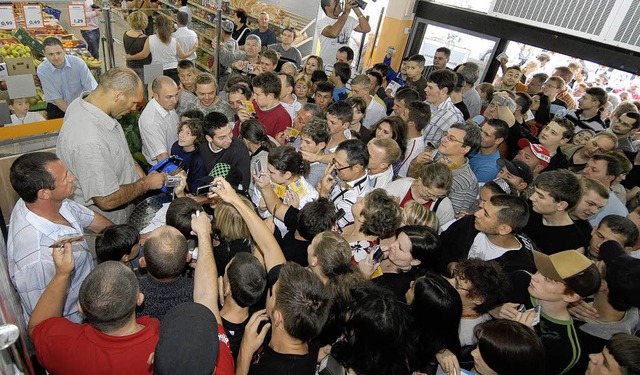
516	173
615	304
562	278
536	156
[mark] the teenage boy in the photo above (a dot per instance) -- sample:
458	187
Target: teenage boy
619	356
323	95
605	168
417	116
516	173
443	113
613	228
266	103
187	74
223	154
483	163
536	156
339	117
550	227
314	138
614	305
414	78
562	278
339	77
555	134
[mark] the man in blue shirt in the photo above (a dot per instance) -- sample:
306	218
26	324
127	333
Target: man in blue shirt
267	36
64	78
483	164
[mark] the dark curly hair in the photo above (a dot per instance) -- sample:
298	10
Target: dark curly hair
382	214
490	282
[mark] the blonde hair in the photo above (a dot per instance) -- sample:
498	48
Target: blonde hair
228	221
138	20
416	214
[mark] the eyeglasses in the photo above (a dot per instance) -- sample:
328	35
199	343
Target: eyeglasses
430	194
337	166
452	138
549	85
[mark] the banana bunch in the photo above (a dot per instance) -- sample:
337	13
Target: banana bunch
36	62
91	61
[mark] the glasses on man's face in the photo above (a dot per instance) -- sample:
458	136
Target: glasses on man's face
452	138
549	85
337	165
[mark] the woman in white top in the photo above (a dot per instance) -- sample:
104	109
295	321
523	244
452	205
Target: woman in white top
164	48
286	168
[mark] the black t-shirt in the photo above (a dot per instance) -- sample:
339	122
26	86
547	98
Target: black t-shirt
463	108
552	239
558	161
234	333
294	250
585	229
267	361
398	283
516	132
559	337
232	163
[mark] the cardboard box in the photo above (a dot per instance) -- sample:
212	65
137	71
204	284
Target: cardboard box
20	65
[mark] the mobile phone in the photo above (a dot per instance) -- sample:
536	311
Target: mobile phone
378	255
250	68
257	167
203	191
172	181
501	99
330	366
340	214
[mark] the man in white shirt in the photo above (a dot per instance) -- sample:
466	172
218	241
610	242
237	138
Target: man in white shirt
360	86
334	30
443	113
158	122
185	37
383	154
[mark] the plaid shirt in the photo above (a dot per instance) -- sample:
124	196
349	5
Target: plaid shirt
442	117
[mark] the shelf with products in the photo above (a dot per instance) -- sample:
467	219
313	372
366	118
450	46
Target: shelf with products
206	18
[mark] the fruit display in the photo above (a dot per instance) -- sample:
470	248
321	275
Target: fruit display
15	50
37	102
91	61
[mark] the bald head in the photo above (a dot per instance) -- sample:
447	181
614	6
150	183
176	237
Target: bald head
165	252
165	92
162	82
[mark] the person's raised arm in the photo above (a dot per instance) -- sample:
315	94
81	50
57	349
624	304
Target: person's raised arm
51	303
261	234
128	192
271	200
334	30
205	280
363	22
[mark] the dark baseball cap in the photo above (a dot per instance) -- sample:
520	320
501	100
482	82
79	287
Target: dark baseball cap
517	168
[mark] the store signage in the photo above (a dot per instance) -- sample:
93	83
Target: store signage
7	19
33	16
77	16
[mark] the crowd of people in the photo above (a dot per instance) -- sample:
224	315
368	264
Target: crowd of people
325	221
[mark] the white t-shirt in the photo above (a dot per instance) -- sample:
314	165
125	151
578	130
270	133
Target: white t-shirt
187	40
375	111
329	46
165	54
30	117
484	249
414	147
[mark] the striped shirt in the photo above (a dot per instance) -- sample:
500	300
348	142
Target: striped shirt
343	197
443	116
464	190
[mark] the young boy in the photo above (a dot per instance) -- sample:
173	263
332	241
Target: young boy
414	78
119	243
323	96
187	74
190	135
562	278
20	112
314	138
339	77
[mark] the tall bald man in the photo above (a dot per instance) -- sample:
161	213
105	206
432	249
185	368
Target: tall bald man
158	122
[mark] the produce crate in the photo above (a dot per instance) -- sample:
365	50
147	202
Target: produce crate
28	40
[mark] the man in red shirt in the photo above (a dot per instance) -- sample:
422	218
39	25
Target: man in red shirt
113	340
267	108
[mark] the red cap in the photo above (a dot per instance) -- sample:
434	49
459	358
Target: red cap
538	150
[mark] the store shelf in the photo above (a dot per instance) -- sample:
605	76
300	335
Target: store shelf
193	16
201	66
209	51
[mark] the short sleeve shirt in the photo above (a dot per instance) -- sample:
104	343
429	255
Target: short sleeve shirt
29	258
330	46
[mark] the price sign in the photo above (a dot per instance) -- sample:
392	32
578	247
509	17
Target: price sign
7	19
33	16
77	16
